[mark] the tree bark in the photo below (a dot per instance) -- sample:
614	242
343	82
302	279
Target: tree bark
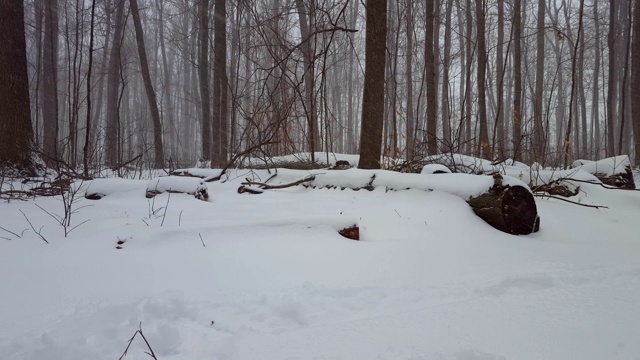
151	95
611	86
220	86
373	95
112	136
203	74
431	84
635	79
16	133
517	76
483	145
50	82
538	135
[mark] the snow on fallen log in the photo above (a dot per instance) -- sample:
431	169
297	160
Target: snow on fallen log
613	171
176	184
100	188
504	202
202	173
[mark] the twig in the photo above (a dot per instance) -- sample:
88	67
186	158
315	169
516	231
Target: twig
282	186
180	218
203	245
139	331
145	222
10	232
571	202
397	213
34	229
595	183
165	209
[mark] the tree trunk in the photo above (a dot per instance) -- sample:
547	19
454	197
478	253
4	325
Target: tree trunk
446	65
86	150
112	136
611	86
411	122
483	145
431	83
373	95
635	79
219	129
151	95
203	73
595	99
517	76
538	136
16	133
50	82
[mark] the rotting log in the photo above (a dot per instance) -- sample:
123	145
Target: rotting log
622	180
511	209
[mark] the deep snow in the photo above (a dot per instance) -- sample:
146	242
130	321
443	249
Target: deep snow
428	280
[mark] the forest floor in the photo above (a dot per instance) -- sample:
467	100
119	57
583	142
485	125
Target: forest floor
268	276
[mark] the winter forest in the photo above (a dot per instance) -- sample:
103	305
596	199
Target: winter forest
319	179
171	82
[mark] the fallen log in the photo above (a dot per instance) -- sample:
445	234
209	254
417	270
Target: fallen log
613	171
508	208
505	203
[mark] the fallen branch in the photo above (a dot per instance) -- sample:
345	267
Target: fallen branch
569	201
600	184
139	331
265	186
33	228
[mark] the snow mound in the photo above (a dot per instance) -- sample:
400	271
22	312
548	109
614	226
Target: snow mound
100	188
609	166
178	184
434	169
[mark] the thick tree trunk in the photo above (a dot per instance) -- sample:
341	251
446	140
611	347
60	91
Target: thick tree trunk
511	209
151	95
112	136
373	96
220	86
16	133
50	82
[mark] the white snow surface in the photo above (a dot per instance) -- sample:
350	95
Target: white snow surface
608	166
428	280
183	184
432	168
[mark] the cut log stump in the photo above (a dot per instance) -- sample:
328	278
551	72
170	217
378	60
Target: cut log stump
511	209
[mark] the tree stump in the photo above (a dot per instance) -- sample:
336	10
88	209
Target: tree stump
511	209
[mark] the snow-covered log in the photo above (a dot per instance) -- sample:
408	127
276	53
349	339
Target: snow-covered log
613	171
175	184
100	188
507	203
511	209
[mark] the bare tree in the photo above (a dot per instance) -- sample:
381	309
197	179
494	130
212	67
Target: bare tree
50	82
635	79
484	148
373	95
16	133
430	75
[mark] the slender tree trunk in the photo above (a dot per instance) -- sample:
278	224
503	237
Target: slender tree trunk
373	95
611	86
484	148
203	72
446	64
517	76
635	79
411	122
595	99
151	95
574	60
500	80
16	133
431	81
219	129
86	149
538	135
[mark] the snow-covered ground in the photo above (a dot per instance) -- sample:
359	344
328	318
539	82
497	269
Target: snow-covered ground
274	279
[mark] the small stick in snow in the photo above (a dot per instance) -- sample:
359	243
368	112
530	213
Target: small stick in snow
10	232
34	229
203	245
139	331
571	202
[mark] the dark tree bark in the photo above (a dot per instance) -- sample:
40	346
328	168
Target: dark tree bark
112	136
203	74
220	86
431	83
411	122
151	95
446	65
16	134
635	79
50	82
574	86
517	76
484	149
538	135
373	95
611	87
86	150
